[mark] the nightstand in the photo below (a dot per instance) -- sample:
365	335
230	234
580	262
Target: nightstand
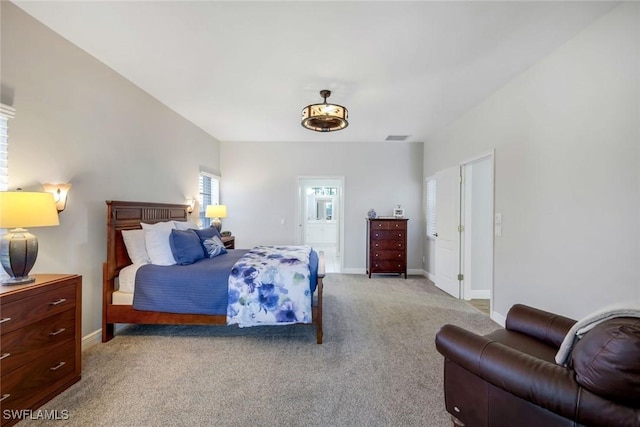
40	346
229	242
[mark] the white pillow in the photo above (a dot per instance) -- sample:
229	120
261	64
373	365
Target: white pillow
166	225
184	225
156	237
136	246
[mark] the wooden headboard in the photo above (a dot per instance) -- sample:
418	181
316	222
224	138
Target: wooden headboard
128	216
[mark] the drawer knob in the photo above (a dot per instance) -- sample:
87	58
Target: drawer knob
6	319
376	254
5	355
59	331
4	396
60	301
58	366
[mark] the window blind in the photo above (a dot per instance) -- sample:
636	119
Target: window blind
209	194
6	113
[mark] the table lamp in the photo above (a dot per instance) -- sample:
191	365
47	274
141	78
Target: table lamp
216	212
18	247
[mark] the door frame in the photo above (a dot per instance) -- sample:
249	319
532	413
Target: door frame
466	209
323	180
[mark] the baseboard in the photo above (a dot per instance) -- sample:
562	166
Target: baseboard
411	271
480	294
354	271
95	337
92	339
498	318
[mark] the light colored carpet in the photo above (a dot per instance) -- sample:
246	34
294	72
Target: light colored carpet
378	366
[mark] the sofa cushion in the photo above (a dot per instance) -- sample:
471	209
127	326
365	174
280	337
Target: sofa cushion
607	360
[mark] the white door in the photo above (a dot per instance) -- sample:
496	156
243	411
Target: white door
448	237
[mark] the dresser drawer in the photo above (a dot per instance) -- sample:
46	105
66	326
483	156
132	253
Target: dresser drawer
23	387
389	225
378	255
394	235
388	266
23	345
382	244
37	306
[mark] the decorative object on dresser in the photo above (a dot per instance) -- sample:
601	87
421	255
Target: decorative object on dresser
371	214
40	349
387	246
215	212
19	248
398	212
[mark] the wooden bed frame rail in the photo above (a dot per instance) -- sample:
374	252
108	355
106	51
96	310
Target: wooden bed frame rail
128	216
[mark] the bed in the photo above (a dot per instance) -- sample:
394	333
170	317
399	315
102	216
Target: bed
117	305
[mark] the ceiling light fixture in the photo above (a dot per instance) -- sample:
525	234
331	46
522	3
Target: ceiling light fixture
325	117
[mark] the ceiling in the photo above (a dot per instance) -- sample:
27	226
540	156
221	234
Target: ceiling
243	71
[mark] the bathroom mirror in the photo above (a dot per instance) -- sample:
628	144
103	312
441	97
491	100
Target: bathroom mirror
324	209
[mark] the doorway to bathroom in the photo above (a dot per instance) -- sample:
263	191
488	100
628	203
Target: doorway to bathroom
320	210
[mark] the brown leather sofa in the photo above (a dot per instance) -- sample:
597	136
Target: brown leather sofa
510	377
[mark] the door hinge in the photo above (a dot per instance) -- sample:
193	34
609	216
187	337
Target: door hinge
460	228
460	277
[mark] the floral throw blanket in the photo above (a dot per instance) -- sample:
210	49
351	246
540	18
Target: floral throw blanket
270	286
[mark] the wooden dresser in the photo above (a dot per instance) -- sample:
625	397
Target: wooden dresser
387	246
40	343
229	242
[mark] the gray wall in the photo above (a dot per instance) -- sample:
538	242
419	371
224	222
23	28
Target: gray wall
78	121
259	186
567	140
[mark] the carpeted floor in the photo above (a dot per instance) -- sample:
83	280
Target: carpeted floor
378	366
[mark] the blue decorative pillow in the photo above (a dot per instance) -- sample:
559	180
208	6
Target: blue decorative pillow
186	247
214	247
207	233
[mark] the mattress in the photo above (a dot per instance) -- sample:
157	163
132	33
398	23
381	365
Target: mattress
122	298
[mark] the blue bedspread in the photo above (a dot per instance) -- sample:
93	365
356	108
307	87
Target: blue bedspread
199	288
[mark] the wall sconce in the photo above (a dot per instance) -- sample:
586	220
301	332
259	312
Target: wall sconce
60	192
192	205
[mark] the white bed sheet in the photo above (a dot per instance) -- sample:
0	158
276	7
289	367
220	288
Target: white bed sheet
122	298
126	284
127	278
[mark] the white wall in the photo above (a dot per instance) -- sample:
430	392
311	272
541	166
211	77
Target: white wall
78	121
260	182
567	140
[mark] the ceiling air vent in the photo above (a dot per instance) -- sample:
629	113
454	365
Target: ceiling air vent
397	138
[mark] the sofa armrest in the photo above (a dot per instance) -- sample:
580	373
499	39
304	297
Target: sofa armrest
547	327
543	383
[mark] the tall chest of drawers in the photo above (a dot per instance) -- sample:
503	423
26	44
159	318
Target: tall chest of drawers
40	341
387	246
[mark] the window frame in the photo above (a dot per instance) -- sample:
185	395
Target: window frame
207	195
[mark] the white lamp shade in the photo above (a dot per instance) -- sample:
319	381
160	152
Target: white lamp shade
216	211
24	209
